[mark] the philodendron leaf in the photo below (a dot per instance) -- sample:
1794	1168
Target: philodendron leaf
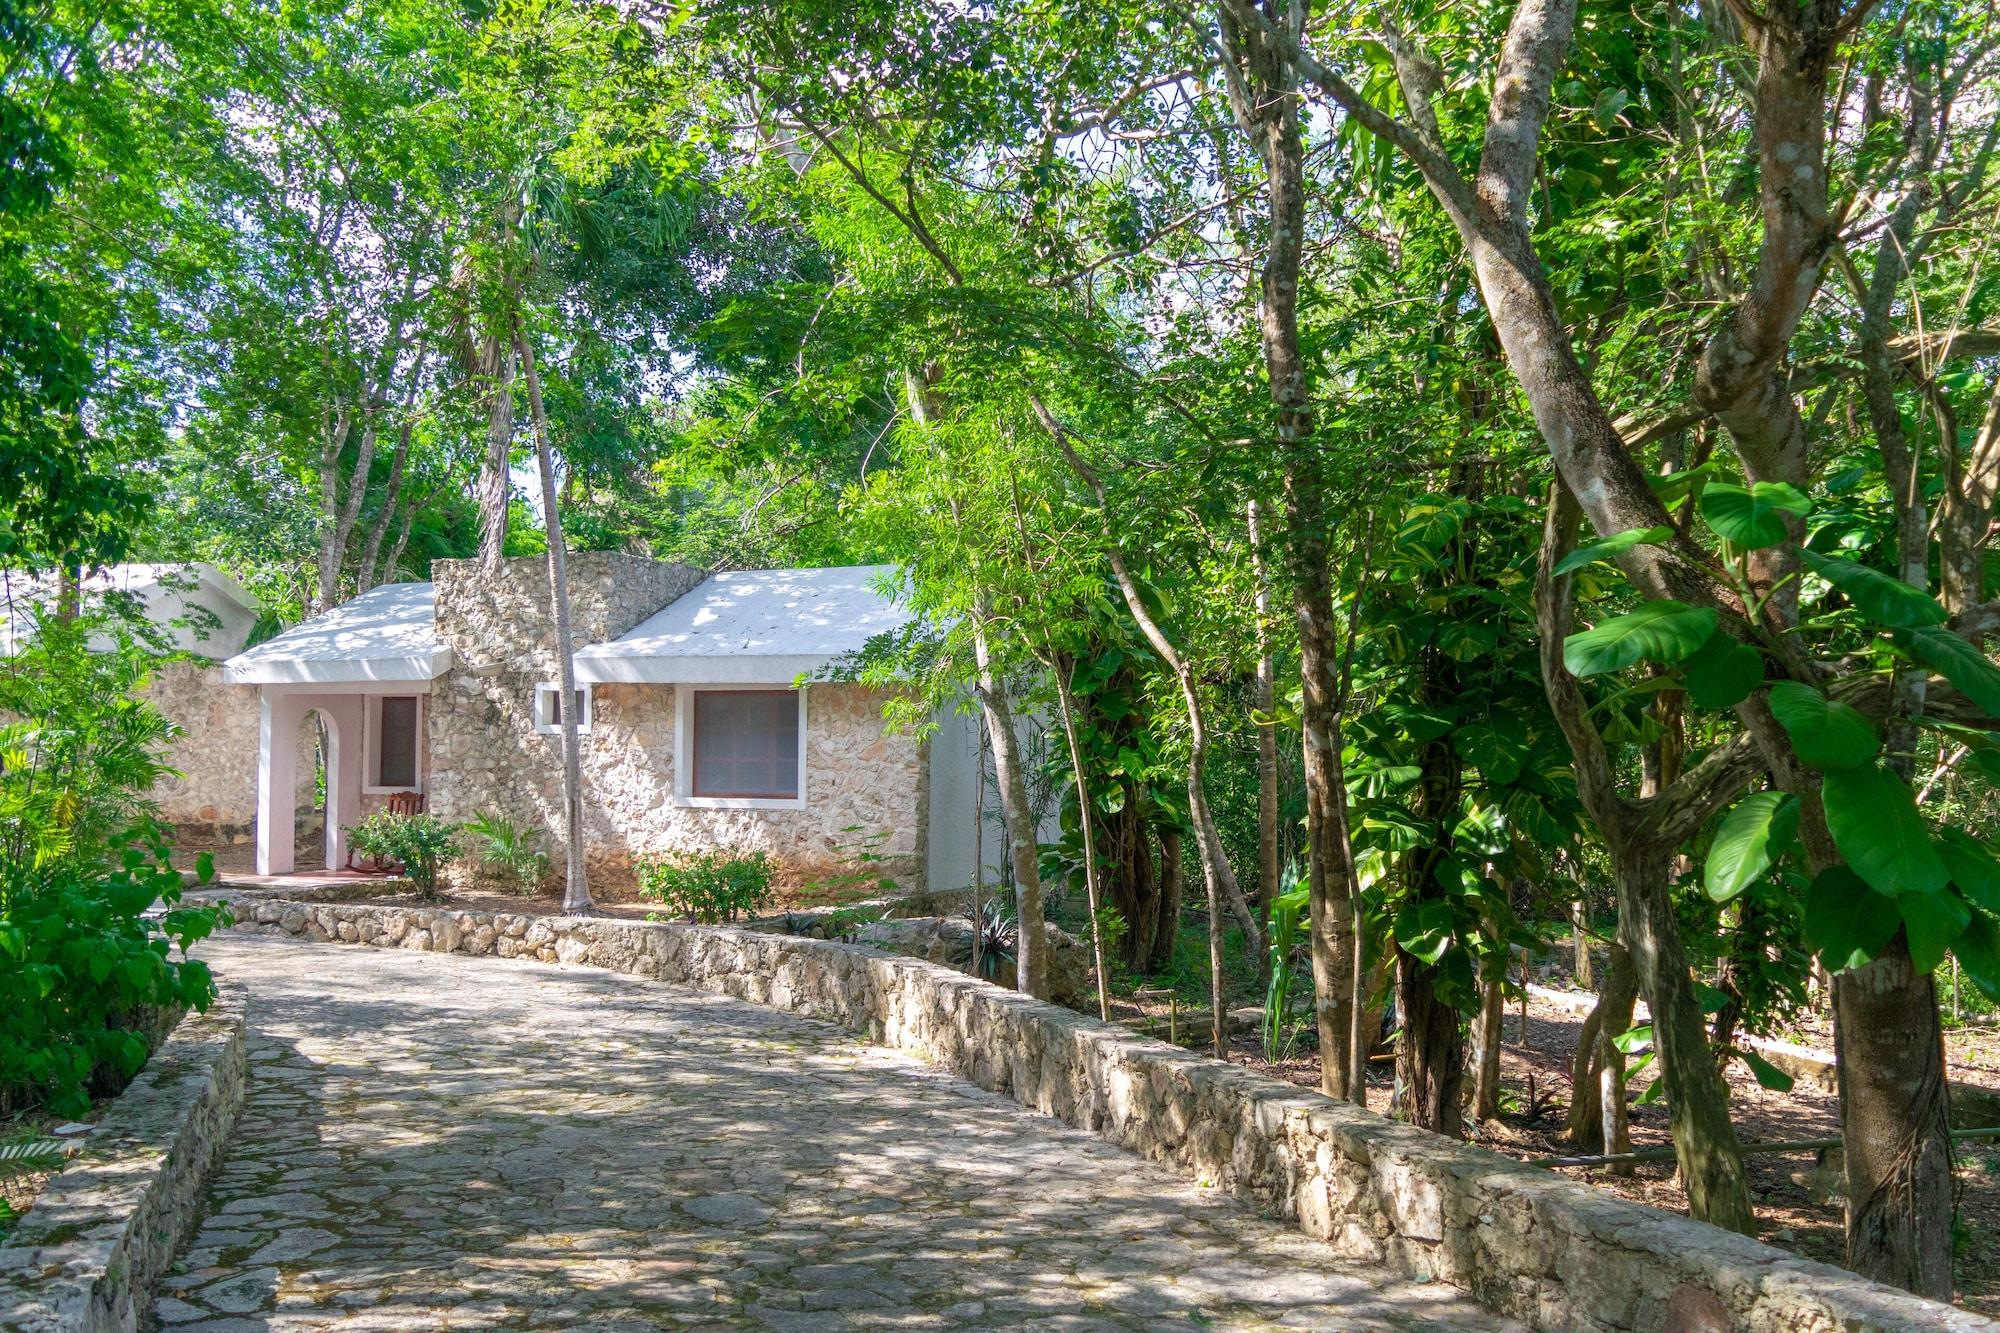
1826	733
1635	1039
1754	516
1662	631
1978	951
1957	661
1973	867
1875	823
1752	837
1767	1074
1845	920
1882	598
1933	922
1722	672
1605	548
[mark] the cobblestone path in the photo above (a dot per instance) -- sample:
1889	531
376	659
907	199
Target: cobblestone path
436	1142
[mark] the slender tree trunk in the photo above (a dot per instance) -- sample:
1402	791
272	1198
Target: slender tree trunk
1263	697
1579	935
1173	889
1592	1091
496	370
1486	1048
576	888
1085	820
1031	962
1705	1143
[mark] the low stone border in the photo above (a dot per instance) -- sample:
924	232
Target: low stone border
86	1255
1553	1253
1972	1106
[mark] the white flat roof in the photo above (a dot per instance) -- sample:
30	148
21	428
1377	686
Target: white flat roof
387	634
751	627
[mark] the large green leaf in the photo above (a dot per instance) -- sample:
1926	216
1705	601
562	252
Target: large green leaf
1767	1074
1883	599
1826	733
1753	835
1847	921
1497	748
1671	486
1605	548
1957	661
1722	672
1933	921
1978	951
1753	516
1973	867
1662	631
1875	823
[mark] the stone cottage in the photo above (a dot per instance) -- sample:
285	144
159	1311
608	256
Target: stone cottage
697	732
205	617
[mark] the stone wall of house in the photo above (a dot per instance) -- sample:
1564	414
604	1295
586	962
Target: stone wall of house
487	756
213	801
1550	1252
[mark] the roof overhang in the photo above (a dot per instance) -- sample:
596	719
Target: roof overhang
424	667
766	669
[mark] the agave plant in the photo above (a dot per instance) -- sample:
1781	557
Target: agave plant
997	935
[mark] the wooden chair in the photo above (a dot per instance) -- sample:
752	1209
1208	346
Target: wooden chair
406	802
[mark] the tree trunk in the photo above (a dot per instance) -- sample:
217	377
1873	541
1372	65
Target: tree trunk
1486	1048
1263	697
1580	945
1085	820
1031	964
576	885
1595	1054
1889	1054
496	370
1173	889
1705	1144
1431	1058
1263	84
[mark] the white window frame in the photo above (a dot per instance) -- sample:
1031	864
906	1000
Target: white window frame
684	752
547	693
371	744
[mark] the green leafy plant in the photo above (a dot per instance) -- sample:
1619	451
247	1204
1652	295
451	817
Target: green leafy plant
997	935
709	887
26	1157
86	963
1282	1021
423	844
508	851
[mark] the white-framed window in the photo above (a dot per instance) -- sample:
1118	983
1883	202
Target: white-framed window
548	708
741	747
395	743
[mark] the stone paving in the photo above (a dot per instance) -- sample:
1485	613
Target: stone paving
440	1142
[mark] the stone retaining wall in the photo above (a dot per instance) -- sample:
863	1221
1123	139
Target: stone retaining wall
1555	1254
86	1255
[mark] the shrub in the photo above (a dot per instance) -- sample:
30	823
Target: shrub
83	858
424	844
709	887
507	850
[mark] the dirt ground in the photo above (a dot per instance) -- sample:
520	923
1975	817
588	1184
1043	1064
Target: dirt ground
1795	1209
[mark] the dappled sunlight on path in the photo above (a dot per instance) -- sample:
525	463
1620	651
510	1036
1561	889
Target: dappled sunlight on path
433	1141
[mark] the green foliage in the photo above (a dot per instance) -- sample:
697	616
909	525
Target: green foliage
1752	517
424	844
1754	833
710	887
508	851
82	862
1282	1022
1663	631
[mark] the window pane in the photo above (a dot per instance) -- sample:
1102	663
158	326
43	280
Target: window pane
746	743
398	748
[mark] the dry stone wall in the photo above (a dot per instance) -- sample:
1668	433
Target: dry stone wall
213	800
1550	1252
86	1255
487	756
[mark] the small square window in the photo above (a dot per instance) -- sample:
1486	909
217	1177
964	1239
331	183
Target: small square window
548	708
